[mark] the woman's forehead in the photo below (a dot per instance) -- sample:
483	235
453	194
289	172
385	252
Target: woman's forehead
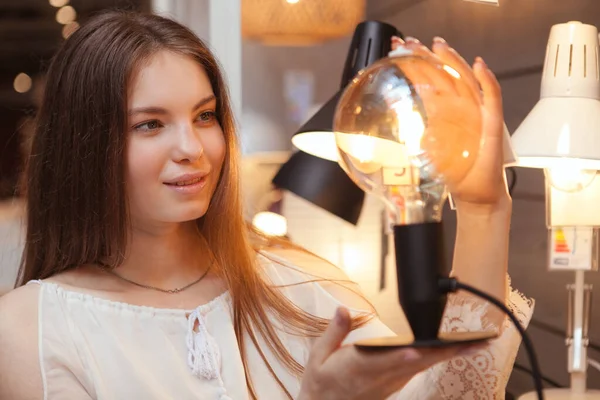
169	78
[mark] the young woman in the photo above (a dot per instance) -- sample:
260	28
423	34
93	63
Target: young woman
144	282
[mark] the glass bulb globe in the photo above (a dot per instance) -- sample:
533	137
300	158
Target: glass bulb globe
406	127
569	178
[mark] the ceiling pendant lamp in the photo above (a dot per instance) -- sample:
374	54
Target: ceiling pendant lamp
299	22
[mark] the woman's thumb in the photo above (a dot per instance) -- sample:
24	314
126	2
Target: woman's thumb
332	338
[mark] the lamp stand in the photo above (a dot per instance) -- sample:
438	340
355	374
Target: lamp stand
420	266
577	342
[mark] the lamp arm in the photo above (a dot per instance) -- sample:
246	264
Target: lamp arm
577	331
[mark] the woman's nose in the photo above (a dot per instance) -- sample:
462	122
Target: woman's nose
189	146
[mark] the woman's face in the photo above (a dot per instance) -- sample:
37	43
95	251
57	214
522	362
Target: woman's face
176	145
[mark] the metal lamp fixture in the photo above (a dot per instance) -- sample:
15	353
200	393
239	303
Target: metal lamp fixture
561	136
563	126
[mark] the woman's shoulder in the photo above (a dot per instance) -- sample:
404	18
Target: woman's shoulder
18	307
23	298
19	351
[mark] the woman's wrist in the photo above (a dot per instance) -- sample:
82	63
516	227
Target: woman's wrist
501	208
481	249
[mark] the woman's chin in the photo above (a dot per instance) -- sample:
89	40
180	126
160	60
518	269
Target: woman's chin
190	214
191	217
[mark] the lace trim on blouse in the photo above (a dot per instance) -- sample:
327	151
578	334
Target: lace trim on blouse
485	374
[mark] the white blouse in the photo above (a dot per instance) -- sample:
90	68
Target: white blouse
90	347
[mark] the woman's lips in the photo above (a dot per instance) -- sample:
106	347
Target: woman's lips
188	185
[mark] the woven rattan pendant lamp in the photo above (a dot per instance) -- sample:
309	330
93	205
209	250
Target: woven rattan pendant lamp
299	22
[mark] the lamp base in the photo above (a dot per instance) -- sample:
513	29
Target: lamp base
563	394
446	339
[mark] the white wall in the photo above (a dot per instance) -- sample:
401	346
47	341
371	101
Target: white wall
263	90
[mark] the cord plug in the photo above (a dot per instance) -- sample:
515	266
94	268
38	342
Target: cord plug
448	285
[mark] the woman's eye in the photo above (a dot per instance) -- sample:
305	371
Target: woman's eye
148	126
206	117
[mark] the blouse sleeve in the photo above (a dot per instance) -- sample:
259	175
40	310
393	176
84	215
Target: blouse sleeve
483	375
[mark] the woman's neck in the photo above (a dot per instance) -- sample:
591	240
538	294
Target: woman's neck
168	257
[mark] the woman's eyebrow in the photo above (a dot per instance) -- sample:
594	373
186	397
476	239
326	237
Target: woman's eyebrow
160	110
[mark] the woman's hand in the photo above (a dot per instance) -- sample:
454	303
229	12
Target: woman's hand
344	372
482	201
483	188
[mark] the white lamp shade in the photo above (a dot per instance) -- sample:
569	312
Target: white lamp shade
564	126
559	128
319	144
510	157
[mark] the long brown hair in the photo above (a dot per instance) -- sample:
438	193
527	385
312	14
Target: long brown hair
76	195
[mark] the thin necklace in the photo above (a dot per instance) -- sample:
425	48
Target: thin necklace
170	291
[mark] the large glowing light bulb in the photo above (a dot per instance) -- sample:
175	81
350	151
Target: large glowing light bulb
406	127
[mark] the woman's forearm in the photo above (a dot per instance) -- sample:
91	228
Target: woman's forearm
481	249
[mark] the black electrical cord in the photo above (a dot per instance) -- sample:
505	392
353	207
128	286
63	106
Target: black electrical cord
452	285
513	181
549	381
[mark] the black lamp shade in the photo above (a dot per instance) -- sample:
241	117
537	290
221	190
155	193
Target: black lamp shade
323	183
322	120
372	41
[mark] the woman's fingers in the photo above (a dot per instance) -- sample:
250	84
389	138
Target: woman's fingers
332	338
426	75
492	96
407	360
422	359
454	60
396	42
350	373
418	47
